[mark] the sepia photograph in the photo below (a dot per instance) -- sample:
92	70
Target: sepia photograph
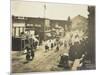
52	37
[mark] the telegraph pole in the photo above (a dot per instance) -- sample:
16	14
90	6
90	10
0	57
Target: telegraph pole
45	10
44	19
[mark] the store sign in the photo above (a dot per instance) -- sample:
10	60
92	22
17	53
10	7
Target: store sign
37	25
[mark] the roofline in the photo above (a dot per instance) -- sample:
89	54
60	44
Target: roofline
40	18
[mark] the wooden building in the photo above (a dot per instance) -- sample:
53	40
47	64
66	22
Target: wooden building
42	27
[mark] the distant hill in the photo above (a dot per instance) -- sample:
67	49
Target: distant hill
79	22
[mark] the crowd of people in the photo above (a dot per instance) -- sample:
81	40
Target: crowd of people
77	49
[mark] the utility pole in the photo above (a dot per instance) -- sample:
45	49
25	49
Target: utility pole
44	28
69	23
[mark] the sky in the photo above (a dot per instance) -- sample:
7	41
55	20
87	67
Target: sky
47	10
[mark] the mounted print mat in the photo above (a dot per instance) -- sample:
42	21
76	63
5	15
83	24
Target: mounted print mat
52	37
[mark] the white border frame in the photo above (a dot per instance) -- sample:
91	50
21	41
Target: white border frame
5	37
